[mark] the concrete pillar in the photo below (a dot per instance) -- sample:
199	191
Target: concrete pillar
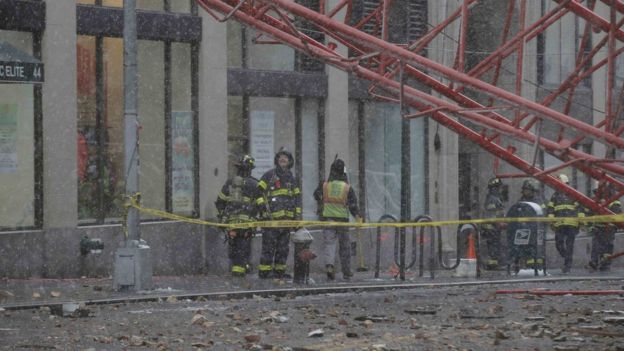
213	107
337	109
213	130
59	116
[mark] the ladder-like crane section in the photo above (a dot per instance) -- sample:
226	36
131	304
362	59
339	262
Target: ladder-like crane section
393	70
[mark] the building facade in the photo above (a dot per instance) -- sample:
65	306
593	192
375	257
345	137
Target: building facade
208	93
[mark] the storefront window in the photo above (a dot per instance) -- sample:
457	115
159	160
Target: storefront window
271	127
238	138
101	127
383	161
17	168
152	152
310	156
183	187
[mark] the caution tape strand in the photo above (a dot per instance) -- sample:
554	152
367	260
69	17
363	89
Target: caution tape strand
134	202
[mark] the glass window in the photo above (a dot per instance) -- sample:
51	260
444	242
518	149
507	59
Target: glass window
152	180
310	156
154	5
87	2
383	161
238	138
246	49
264	53
100	128
234	44
17	168
181	6
182	131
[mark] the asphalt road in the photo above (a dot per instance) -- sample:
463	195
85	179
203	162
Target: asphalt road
471	317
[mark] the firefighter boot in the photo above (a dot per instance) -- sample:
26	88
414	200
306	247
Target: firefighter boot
331	273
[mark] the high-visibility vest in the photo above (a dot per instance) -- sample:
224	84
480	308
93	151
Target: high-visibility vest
335	195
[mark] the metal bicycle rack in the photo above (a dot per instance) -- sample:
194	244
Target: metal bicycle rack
387	218
418	247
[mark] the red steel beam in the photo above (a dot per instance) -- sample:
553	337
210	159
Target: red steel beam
415	97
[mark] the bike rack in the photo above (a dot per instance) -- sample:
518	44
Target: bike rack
387	218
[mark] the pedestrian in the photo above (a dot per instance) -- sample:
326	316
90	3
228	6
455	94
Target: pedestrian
236	204
603	236
336	198
279	198
492	232
561	205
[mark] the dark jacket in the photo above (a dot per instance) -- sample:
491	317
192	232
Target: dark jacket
232	210
561	205
279	195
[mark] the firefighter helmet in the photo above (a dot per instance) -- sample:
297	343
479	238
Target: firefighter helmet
338	167
528	185
246	163
494	182
287	153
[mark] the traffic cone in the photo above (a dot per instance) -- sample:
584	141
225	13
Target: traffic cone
468	266
471	247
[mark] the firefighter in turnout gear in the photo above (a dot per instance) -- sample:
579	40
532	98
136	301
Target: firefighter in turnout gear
279	198
336	199
603	236
492	232
530	193
236	204
561	205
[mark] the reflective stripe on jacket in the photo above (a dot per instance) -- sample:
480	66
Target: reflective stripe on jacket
335	199
561	205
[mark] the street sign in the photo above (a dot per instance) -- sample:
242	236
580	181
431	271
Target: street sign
17	66
21	72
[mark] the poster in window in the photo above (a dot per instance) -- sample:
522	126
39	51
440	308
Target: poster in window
182	162
8	138
262	139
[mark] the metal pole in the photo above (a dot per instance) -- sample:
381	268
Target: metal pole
405	171
133	265
131	139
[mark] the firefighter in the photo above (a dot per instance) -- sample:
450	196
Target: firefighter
603	236
236	204
561	205
279	198
529	193
336	198
492	232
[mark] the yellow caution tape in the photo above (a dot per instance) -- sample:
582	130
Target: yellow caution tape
133	202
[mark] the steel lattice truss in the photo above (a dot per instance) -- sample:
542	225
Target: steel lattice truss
392	70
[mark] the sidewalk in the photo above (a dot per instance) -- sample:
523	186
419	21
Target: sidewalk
32	293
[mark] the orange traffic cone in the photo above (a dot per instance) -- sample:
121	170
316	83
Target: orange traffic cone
471	247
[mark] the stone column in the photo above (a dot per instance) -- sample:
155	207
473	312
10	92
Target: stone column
60	187
213	130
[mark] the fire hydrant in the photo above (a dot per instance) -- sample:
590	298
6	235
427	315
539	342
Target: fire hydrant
303	255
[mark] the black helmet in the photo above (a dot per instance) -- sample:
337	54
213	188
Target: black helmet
246	163
528	185
281	152
494	182
337	167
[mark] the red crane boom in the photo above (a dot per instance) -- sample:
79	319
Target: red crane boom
392	68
